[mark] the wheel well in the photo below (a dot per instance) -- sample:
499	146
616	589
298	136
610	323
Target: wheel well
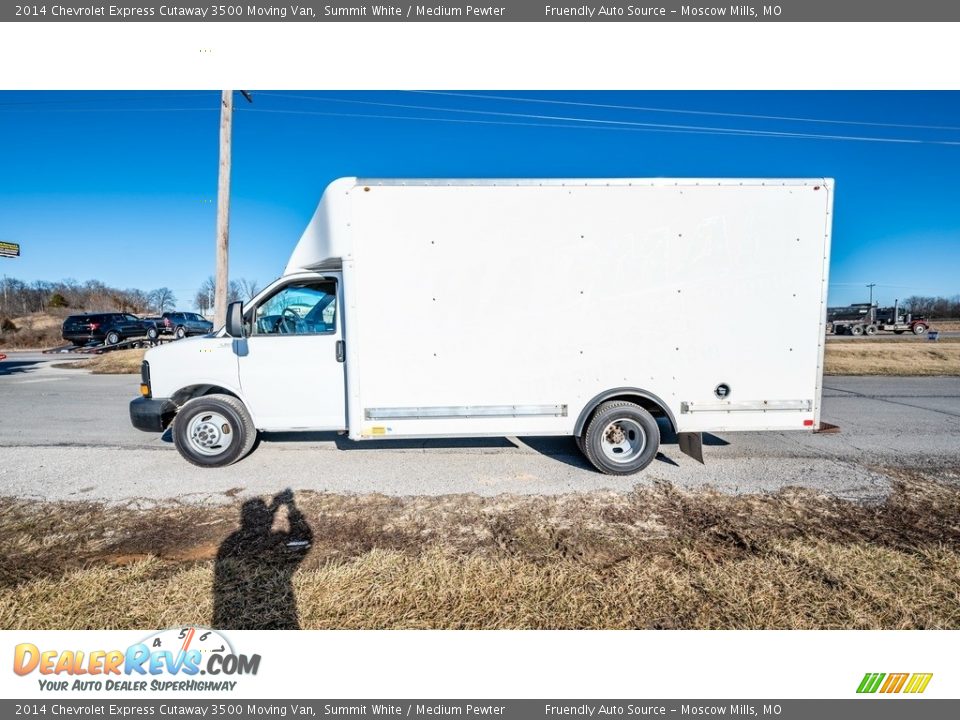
647	400
194	391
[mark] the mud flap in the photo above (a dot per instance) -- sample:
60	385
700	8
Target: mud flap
691	443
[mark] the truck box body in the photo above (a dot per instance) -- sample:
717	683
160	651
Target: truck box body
506	307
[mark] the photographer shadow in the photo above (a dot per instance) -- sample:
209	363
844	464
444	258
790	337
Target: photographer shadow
253	574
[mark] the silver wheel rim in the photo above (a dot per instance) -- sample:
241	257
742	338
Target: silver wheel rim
112	339
180	332
210	433
622	441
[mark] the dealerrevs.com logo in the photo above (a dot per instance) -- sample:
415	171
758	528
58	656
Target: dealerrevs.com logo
169	660
912	683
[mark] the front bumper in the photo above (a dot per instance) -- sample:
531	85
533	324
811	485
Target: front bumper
152	414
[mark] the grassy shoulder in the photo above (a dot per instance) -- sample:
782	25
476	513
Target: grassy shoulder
115	362
658	557
866	357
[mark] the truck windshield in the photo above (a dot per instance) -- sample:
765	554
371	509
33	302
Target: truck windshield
301	308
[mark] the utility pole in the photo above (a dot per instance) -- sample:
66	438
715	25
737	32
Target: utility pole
223	207
871	286
223	210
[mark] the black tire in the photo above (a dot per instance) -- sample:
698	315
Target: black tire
856	330
232	412
152	333
898	332
180	333
112	338
919	329
579	440
635	420
870	330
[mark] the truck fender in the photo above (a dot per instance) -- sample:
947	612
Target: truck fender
622	393
200	389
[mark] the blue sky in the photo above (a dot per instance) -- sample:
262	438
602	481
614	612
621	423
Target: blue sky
121	186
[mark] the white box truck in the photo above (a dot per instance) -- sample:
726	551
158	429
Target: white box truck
469	308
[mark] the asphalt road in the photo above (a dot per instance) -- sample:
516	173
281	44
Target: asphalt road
65	434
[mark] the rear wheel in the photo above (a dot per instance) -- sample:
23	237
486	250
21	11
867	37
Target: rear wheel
180	333
621	438
213	430
919	329
857	330
112	338
580	446
152	333
870	329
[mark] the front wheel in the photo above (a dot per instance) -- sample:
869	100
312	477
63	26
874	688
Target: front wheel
919	329
213	430
621	438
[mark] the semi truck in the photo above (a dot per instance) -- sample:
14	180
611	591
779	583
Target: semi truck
519	307
869	319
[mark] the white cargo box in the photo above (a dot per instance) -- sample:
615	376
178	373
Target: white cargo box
508	307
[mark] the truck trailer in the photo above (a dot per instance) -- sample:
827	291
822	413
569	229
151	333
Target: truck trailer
519	307
869	319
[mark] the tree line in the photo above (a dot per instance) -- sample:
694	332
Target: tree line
18	297
933	307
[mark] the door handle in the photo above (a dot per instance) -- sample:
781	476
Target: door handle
341	351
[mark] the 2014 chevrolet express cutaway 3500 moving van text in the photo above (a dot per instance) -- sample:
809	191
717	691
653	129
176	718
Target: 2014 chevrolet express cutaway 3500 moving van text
468	308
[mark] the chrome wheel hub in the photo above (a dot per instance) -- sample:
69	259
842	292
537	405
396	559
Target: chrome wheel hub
210	433
623	441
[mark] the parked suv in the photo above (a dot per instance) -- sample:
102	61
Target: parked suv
108	328
181	324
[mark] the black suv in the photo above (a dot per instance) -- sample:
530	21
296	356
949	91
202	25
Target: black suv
109	328
181	324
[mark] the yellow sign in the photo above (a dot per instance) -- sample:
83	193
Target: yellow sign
9	249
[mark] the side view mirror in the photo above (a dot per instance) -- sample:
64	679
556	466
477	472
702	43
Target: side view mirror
235	319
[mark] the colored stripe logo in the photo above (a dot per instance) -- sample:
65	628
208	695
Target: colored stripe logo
913	683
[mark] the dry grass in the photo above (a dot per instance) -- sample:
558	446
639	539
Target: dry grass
654	558
865	357
115	362
33	332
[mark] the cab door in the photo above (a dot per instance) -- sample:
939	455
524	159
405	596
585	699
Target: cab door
292	361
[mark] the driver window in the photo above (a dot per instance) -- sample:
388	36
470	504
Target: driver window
303	308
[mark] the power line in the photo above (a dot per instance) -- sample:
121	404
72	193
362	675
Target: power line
596	122
679	111
374	116
622	123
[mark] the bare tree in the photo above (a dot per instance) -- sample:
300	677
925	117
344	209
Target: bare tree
204	299
248	288
162	299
